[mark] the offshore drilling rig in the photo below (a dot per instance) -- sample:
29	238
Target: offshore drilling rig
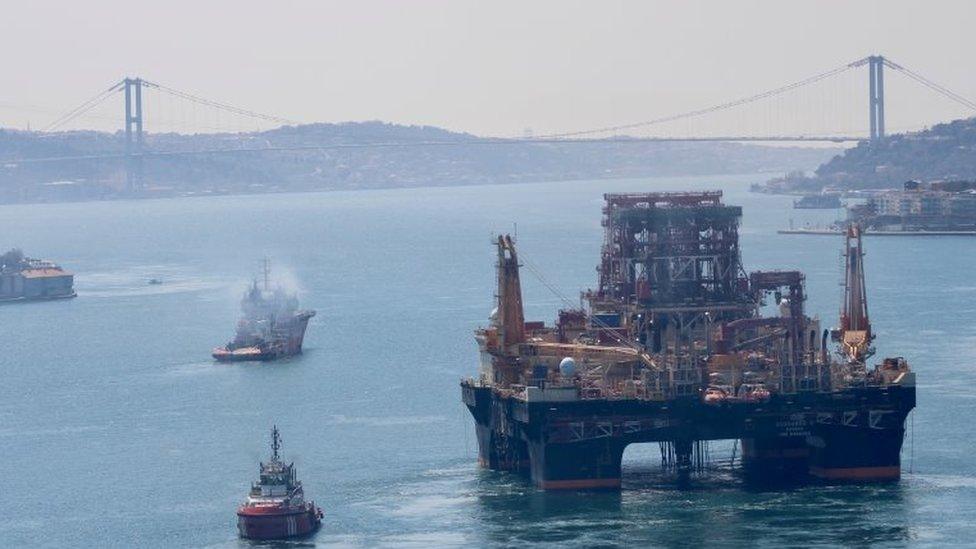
673	347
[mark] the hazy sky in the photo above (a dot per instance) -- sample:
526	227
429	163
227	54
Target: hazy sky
488	67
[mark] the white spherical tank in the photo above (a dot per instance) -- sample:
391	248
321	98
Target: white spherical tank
567	367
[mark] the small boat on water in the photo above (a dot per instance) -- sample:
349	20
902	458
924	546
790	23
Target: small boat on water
275	507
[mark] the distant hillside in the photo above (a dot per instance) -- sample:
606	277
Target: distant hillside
473	162
945	152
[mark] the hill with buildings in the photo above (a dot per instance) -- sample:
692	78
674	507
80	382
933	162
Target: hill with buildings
395	159
944	152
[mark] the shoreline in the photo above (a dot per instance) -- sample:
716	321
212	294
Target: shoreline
876	233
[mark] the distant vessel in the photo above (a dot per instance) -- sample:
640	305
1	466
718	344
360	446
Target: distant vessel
155	282
26	279
818	202
272	325
276	507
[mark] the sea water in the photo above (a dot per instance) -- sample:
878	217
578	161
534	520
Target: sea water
118	430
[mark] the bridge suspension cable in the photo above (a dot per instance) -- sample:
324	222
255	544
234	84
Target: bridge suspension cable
216	104
714	108
84	107
938	88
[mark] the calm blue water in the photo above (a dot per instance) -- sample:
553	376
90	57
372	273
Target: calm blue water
116	430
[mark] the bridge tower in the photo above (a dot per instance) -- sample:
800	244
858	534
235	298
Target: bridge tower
133	123
876	65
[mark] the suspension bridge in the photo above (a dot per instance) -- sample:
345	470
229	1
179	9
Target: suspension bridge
763	113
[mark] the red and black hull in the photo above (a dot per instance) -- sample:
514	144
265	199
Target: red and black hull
848	435
253	524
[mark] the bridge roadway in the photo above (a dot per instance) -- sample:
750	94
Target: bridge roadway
454	143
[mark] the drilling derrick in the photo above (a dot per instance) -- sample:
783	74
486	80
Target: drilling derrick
670	271
666	248
678	345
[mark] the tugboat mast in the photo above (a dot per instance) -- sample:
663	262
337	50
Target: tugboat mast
275	443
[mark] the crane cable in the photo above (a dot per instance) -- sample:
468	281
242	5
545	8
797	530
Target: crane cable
552	288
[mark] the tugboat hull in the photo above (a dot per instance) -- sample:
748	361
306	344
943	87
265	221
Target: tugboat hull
242	355
288	343
277	525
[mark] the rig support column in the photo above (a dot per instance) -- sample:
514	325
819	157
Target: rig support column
591	464
774	458
682	454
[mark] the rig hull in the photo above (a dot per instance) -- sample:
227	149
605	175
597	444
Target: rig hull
848	435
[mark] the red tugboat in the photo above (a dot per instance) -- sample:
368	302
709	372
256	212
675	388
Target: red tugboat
276	507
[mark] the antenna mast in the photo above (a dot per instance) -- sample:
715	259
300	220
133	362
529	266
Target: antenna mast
275	443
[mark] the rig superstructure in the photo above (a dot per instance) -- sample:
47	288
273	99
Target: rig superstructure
673	347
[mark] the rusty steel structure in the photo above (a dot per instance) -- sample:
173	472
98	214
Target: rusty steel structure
673	346
855	326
